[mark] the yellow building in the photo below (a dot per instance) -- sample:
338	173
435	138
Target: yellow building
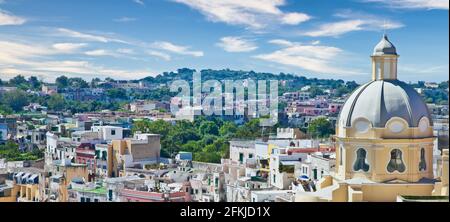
143	149
384	141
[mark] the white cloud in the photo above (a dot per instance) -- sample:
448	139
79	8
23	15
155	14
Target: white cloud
126	51
101	52
125	19
337	28
68	47
161	55
87	37
7	18
38	59
295	18
310	57
281	42
140	2
255	14
236	44
413	4
353	21
177	49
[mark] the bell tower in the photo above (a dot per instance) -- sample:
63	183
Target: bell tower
384	60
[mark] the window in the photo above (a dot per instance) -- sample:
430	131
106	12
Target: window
110	195
361	161
104	155
340	156
113	132
82	200
423	162
396	162
250	156
241	157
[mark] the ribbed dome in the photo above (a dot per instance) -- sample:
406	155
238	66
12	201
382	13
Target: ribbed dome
378	101
385	47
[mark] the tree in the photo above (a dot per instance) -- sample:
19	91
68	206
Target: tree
34	82
443	85
94	82
228	129
116	93
62	82
16	100
56	102
209	127
5	109
249	130
17	81
320	128
315	91
78	83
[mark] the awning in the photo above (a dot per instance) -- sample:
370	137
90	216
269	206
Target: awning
33	177
19	174
26	176
303	177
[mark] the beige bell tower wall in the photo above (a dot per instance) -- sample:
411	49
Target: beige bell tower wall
379	156
384	67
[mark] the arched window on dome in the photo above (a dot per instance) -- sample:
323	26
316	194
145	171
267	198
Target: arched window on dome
361	161
396	163
423	162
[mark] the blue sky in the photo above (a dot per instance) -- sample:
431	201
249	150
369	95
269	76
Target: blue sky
130	39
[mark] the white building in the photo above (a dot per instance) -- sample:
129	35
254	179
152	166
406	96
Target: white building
241	151
108	133
282	167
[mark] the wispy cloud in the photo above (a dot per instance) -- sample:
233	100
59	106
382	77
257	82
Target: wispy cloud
413	4
310	57
28	58
87	37
69	47
140	2
424	69
6	18
177	49
353	21
101	52
160	55
126	51
236	44
125	19
254	14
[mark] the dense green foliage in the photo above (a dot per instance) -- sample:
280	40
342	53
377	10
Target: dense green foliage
14	100
11	152
206	138
320	128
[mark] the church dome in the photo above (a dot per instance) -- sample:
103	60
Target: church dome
380	100
385	47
